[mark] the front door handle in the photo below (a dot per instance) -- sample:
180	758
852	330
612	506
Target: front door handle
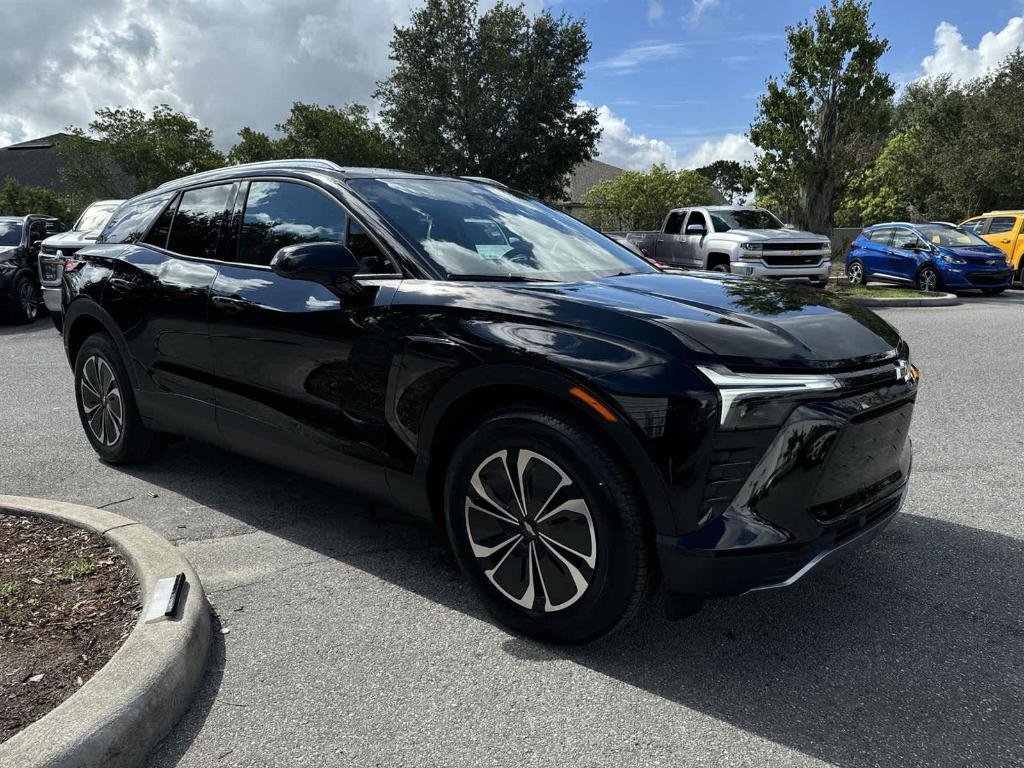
1005	241
233	303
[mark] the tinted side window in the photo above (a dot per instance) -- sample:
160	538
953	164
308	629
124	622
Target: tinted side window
131	221
880	236
674	225
162	227
197	224
280	213
696	217
1002	224
371	260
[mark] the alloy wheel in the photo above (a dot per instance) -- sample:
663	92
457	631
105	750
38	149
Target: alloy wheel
28	300
102	404
855	274
929	280
530	530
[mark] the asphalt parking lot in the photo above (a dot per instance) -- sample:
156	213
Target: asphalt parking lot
351	639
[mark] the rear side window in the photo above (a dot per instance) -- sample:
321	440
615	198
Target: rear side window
1002	224
975	226
674	225
880	236
131	221
281	213
196	227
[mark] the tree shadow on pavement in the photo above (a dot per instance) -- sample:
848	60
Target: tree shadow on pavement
907	653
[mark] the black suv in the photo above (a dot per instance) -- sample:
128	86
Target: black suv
581	423
20	238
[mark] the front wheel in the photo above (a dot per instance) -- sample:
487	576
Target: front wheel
25	300
548	526
928	280
106	404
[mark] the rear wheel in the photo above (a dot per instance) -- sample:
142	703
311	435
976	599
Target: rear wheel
106	405
548	527
928	279
855	273
25	300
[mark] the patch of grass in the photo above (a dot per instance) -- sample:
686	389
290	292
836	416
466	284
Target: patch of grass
878	292
9	586
79	569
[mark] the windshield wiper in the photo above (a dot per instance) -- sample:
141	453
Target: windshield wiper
497	278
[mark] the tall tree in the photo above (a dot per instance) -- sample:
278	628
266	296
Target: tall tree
127	149
733	179
19	200
344	134
491	94
826	121
640	200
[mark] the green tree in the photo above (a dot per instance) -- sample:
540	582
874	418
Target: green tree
640	200
825	122
127	151
345	135
490	94
890	189
733	179
19	200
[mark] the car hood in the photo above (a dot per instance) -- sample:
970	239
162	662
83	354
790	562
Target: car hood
757	235
716	318
71	239
977	253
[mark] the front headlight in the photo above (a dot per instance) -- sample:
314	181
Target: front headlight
751	247
751	400
951	259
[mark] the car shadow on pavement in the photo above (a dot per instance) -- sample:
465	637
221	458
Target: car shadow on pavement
907	653
42	325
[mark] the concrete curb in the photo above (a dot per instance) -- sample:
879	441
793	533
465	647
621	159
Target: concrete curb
130	704
937	300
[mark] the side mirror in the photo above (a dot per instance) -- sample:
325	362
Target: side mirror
695	229
326	263
37	244
789	226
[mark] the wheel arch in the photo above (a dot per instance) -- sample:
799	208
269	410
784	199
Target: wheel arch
718	257
85	317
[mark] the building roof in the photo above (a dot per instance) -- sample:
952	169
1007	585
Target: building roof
34	163
588	174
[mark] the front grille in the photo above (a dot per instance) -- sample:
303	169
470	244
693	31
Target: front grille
989	278
787	246
790	261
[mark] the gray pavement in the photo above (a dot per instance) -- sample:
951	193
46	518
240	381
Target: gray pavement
352	640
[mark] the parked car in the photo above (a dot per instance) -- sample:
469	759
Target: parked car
580	422
56	248
930	256
740	240
20	237
1004	230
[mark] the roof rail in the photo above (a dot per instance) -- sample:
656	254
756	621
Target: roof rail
485	180
301	162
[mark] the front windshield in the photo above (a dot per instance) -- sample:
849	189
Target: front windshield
95	217
745	218
948	237
10	232
472	229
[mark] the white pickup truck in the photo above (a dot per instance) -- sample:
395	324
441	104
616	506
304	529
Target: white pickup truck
744	241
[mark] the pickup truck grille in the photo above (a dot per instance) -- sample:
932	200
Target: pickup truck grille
787	246
790	261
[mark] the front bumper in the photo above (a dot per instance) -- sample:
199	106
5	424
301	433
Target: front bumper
52	299
969	276
780	501
817	270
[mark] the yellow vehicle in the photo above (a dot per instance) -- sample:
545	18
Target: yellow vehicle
1004	230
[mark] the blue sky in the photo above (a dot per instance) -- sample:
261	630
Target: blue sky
685	73
675	81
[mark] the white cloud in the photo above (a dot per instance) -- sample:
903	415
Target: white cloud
630	58
655	11
700	7
732	146
954	57
622	147
225	63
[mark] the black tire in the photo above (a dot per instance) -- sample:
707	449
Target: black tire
102	390
58	321
992	291
606	523
720	266
855	273
928	279
25	300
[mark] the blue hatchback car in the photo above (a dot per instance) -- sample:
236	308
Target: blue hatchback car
930	256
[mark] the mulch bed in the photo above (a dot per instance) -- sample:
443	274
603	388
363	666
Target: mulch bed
68	600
